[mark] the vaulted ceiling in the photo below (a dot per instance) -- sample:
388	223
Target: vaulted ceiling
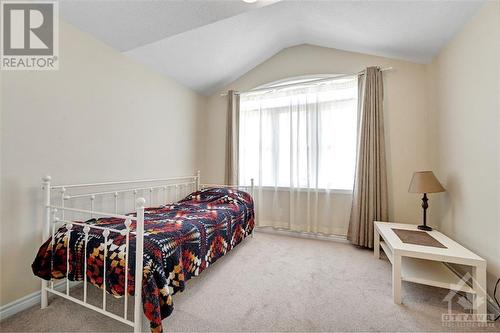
208	44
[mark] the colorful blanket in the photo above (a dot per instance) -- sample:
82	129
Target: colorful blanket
180	241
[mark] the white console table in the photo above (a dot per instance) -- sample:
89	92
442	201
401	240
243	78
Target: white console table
424	264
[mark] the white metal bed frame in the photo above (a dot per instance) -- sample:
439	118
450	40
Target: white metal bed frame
51	219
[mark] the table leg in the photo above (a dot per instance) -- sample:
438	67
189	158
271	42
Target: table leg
479	285
396	278
376	243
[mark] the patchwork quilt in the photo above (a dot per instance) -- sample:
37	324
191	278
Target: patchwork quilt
180	241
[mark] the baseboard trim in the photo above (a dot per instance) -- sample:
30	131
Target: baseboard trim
26	302
298	234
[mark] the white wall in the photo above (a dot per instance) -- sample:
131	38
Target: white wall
406	119
464	82
100	117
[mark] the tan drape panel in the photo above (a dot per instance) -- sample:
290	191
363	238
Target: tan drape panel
369	202
233	110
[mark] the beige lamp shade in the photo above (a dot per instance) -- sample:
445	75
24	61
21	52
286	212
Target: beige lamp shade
425	182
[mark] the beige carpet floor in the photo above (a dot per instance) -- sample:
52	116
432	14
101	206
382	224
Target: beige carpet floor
274	283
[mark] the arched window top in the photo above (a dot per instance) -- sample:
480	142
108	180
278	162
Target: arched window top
296	80
304	81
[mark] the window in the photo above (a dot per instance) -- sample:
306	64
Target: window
300	136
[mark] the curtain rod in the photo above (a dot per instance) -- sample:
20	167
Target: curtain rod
305	82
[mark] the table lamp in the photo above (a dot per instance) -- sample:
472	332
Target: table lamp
425	182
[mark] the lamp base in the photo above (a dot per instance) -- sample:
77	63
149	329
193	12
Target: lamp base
424	227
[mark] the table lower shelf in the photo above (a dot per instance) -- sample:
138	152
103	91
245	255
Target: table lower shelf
428	272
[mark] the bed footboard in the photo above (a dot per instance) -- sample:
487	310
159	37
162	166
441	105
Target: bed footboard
52	213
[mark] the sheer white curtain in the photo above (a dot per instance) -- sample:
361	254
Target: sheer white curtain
299	145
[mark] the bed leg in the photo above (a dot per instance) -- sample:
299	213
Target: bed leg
45	234
45	295
139	251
